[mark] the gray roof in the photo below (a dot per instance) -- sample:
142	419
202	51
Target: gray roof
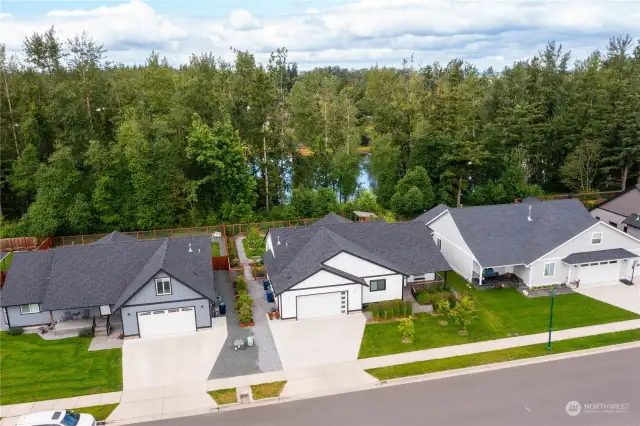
105	274
633	220
405	247
598	256
500	235
429	215
331	219
115	237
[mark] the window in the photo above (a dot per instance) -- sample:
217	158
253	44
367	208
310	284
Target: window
613	261
584	265
439	243
596	238
163	286
31	308
549	269
615	225
377	285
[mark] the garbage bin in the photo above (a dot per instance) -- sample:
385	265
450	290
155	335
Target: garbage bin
270	297
265	284
223	308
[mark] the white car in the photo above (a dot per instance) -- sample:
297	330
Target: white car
57	418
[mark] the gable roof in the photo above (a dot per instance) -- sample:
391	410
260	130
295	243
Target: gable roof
404	247
115	237
623	210
429	215
598	256
500	235
331	219
105	273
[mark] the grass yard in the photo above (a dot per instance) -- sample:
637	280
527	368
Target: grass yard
253	253
267	390
5	263
34	369
501	313
224	396
435	365
215	248
99	412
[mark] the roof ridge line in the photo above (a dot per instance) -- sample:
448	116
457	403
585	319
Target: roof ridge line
569	210
301	250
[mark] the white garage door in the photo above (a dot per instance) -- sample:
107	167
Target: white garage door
599	273
166	321
322	305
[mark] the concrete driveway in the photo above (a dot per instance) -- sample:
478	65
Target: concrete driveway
620	295
172	360
317	341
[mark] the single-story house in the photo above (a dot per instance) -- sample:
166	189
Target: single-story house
541	243
337	266
151	287
621	211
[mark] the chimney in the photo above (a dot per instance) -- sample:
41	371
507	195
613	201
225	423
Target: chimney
190	250
529	217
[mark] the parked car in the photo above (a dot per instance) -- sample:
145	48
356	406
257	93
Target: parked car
57	418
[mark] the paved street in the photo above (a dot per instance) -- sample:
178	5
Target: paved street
533	395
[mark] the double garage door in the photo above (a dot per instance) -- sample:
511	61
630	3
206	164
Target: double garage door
599	273
322	305
167	321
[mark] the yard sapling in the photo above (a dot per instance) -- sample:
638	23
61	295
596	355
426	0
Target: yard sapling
407	330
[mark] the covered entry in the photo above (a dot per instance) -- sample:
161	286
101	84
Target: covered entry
603	267
167	321
322	305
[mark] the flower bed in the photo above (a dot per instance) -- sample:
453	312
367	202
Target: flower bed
243	302
391	310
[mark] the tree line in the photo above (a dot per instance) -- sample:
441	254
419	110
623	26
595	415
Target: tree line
90	145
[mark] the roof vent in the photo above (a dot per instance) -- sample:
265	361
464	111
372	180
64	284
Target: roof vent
190	249
529	217
278	240
199	252
636	216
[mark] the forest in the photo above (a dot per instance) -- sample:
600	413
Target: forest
92	146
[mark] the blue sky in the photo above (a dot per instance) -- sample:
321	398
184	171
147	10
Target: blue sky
349	33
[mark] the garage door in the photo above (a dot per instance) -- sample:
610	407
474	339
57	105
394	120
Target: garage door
166	321
322	305
600	273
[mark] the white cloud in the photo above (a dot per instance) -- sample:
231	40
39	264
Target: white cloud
359	33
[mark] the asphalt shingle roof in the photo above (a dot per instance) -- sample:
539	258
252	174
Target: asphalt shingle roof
405	247
598	256
115	237
429	215
500	235
105	273
331	219
633	220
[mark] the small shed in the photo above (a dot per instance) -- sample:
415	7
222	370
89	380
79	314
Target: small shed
362	216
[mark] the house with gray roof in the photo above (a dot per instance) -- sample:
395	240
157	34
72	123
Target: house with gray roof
336	267
621	211
150	287
537	242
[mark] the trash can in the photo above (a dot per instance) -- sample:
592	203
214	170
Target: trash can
223	308
270	297
265	284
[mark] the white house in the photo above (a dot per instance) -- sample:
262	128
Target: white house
336	266
622	211
540	242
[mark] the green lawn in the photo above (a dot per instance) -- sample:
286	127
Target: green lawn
34	369
5	263
99	412
267	390
463	361
215	248
252	253
224	396
501	313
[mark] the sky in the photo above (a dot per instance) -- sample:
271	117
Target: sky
345	33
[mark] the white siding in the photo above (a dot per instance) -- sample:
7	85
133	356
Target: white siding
393	290
537	273
459	260
356	266
321	279
453	247
446	227
288	298
523	272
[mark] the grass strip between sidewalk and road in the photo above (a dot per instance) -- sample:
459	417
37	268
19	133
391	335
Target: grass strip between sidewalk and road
503	355
224	396
99	412
267	390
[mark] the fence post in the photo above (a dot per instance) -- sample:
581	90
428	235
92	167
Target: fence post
154	235
82	239
137	235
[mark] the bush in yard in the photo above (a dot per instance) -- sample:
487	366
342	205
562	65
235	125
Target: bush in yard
442	306
407	329
254	242
464	313
423	298
240	284
85	332
408	309
245	316
15	331
243	299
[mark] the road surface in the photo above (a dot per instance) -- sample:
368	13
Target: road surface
535	395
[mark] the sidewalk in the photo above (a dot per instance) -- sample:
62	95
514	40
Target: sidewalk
191	399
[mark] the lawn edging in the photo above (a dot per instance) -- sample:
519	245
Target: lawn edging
505	358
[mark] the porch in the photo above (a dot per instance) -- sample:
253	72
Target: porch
106	326
423	282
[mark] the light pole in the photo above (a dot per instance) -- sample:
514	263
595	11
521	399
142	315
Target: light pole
553	298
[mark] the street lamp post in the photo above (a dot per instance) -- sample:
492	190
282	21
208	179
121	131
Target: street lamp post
553	298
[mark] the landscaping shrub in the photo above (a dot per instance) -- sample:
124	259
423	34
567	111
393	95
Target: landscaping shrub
240	284
407	329
245	315
464	313
423	298
408	309
85	332
15	331
243	299
442	306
